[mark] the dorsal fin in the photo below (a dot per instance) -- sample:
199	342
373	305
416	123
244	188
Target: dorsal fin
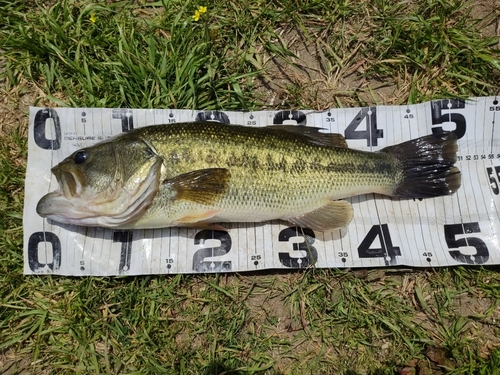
313	134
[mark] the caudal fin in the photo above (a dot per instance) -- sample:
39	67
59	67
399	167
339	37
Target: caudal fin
428	166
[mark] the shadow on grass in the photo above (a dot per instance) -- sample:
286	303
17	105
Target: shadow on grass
217	367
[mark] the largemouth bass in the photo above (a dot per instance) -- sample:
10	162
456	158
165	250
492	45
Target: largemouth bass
198	174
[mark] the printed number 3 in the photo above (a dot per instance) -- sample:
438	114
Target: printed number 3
306	246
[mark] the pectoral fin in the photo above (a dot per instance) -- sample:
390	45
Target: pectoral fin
203	186
333	215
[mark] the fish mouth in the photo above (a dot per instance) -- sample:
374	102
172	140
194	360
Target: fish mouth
71	183
65	203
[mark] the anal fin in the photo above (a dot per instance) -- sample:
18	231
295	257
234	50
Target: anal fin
196	217
333	215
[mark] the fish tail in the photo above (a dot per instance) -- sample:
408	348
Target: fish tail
427	166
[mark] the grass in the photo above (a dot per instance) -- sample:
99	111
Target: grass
132	56
241	55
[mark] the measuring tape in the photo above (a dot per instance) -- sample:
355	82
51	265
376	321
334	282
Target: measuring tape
459	229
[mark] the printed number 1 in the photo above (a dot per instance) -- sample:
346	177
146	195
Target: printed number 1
127	119
125	238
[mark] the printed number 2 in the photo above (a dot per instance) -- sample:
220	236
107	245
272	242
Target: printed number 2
371	133
306	246
451	232
199	262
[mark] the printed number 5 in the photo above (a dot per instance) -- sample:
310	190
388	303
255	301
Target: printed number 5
451	232
438	117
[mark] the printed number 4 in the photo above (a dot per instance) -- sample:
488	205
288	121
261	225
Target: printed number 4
387	250
371	134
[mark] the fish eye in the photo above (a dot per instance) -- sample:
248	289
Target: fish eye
80	157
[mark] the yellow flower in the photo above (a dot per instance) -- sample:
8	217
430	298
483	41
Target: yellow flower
196	16
93	18
198	12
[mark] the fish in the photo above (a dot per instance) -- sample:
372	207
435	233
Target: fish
204	174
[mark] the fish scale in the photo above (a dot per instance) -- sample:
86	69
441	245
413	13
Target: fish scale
277	153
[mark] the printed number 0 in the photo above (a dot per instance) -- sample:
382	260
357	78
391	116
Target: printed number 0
40	129
33	259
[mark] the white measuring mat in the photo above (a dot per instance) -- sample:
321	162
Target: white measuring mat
460	229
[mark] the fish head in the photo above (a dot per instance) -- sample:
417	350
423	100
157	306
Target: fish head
110	184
